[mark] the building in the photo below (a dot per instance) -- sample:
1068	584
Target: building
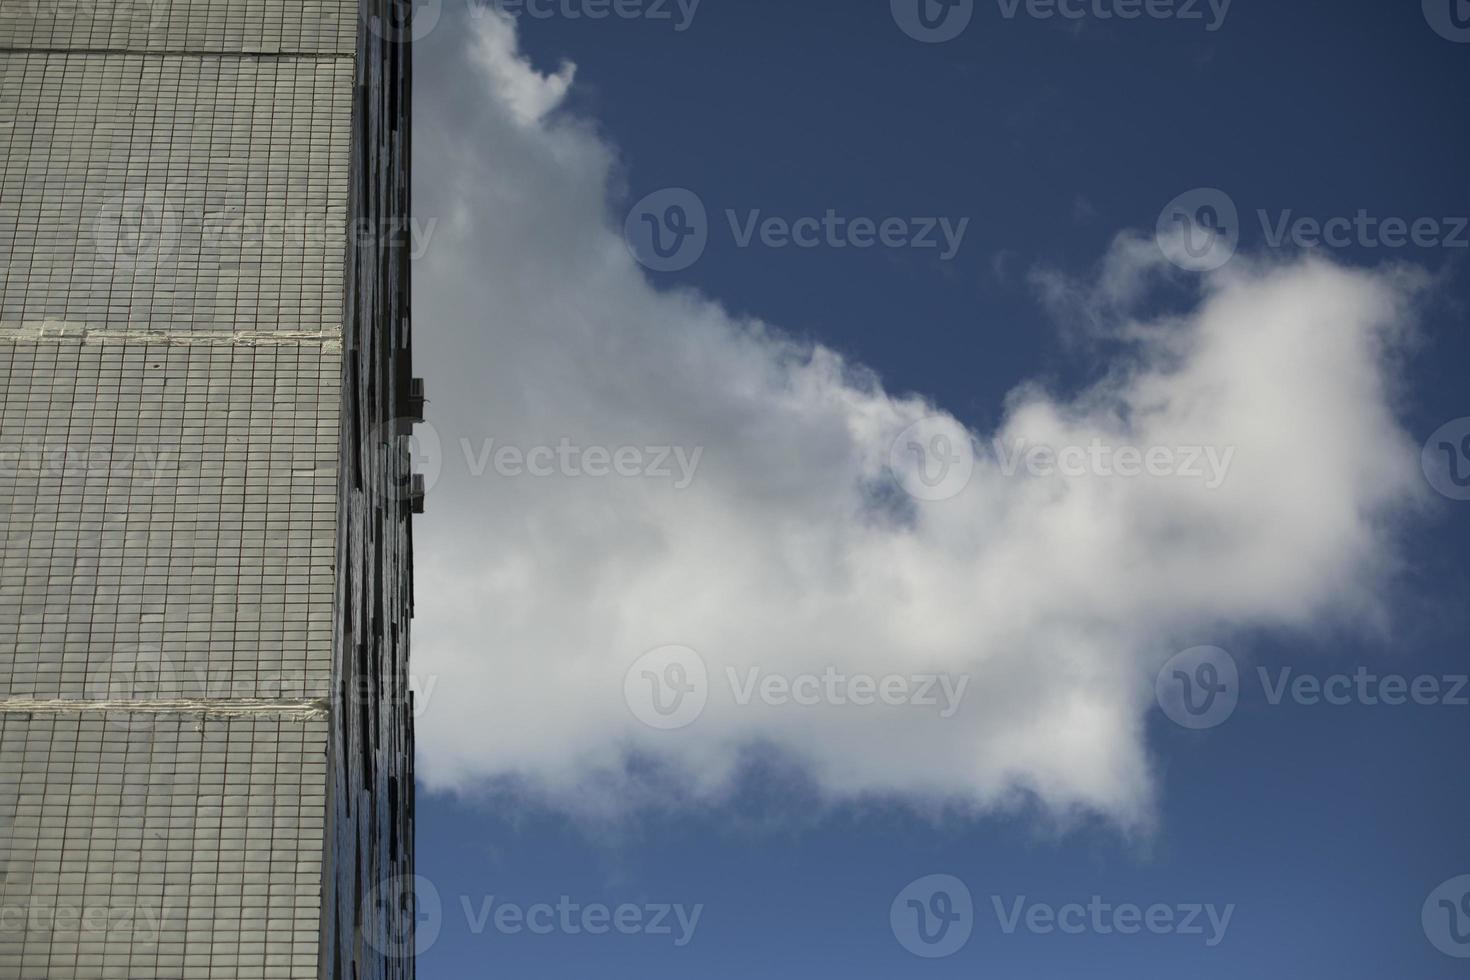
205	501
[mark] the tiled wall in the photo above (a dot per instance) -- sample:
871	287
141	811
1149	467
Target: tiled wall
233	26
166	505
141	845
178	180
179	193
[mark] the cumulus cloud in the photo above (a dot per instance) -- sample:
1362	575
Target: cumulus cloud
524	92
793	549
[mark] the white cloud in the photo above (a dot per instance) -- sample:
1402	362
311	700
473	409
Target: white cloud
524	92
791	550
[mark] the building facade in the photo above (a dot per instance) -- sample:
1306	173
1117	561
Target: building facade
205	491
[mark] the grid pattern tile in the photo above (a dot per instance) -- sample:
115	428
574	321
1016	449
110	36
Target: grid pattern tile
174	247
266	26
179	193
168	518
160	846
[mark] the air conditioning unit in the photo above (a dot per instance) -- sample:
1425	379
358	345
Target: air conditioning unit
416	494
413	402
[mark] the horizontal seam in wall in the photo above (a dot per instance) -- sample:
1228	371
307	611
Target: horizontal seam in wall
182	53
61	331
213	707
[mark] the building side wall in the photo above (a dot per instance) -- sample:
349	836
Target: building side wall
160	845
168	515
182	193
175	184
314	27
370	927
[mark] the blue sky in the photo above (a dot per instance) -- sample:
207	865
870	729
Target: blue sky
1324	828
